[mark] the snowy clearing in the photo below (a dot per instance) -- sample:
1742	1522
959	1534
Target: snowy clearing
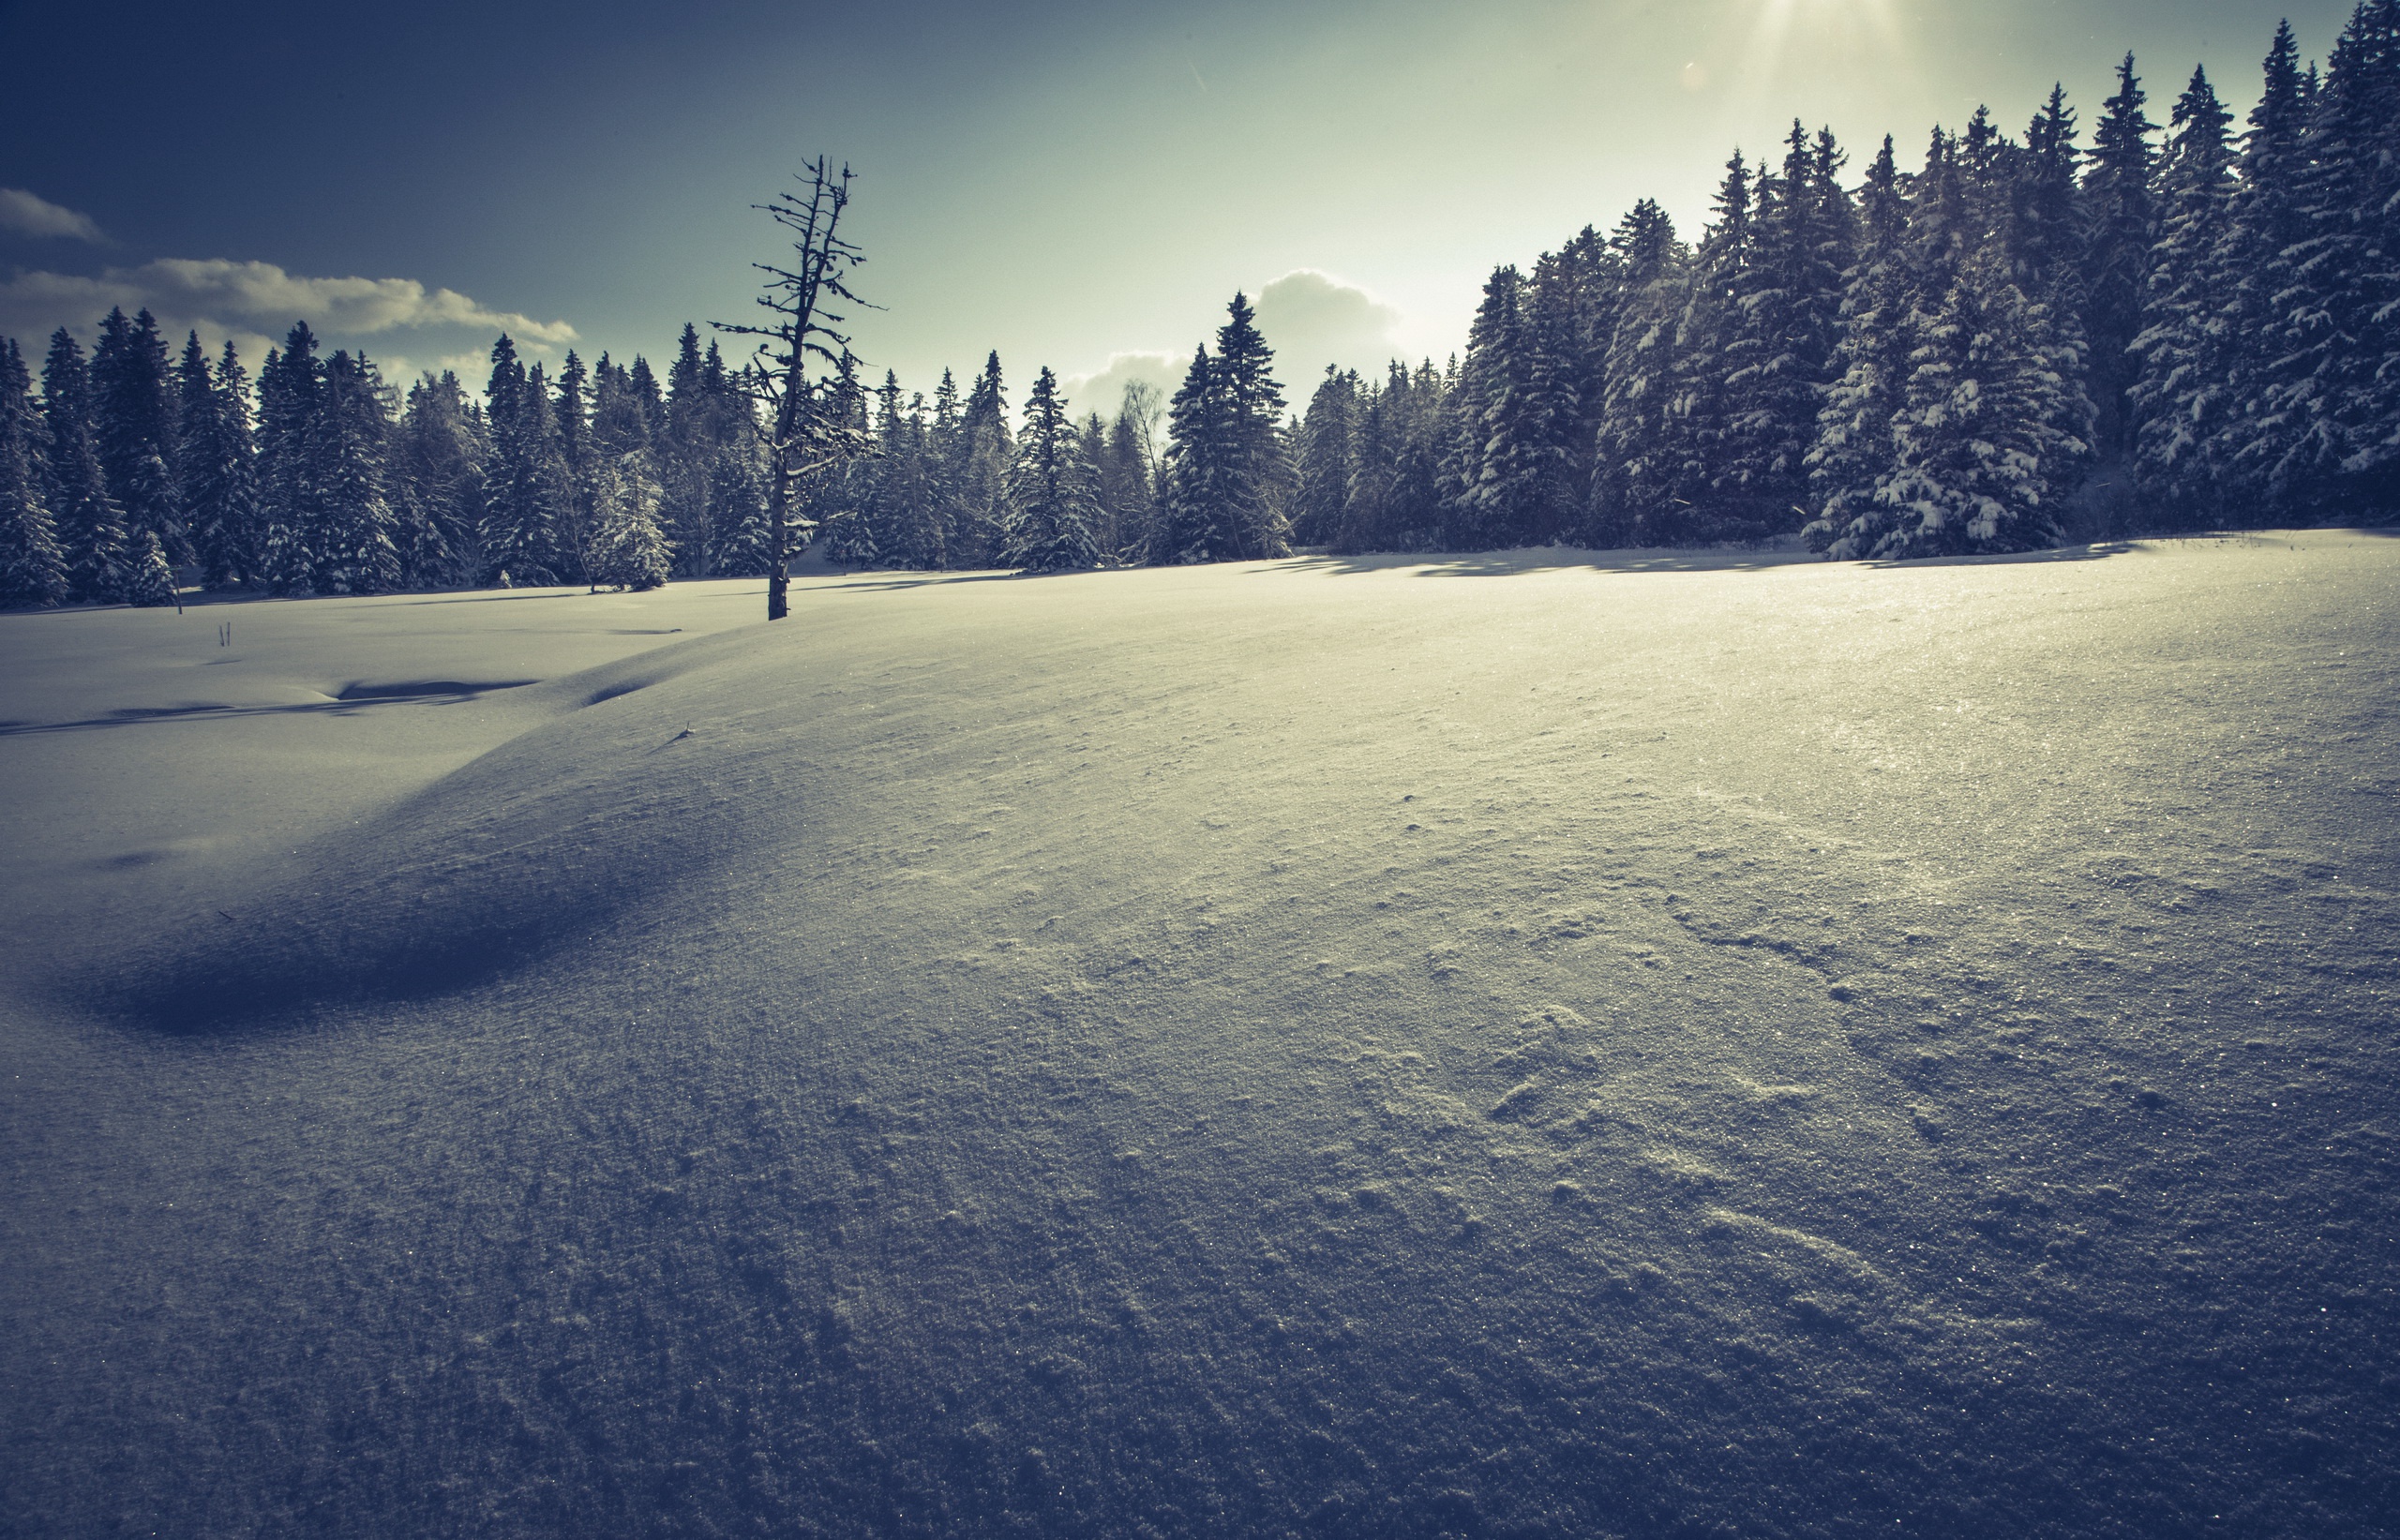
1537	1045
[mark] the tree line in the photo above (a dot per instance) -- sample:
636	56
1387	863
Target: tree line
2017	336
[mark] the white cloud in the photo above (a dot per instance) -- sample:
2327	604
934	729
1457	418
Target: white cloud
27	214
222	298
1104	391
1312	318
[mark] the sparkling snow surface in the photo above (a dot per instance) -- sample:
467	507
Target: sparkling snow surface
1546	1044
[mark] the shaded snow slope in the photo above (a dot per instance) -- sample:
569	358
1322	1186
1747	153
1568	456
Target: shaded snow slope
1315	1047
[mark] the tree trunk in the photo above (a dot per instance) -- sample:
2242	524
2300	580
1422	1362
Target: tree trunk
779	560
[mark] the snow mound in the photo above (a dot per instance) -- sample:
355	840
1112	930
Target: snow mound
529	847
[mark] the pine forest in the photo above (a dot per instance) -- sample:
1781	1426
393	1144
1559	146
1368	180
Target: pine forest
2003	343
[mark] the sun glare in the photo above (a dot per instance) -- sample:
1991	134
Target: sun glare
1854	31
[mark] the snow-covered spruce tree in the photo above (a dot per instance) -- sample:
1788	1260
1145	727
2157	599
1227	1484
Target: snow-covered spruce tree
684	449
855	533
2047	234
2182	396
1517	413
149	581
838	500
907	509
733	472
2042	237
1585	280
1395	493
2333	393
1229	475
1374	454
1127	486
945	456
133	426
1327	455
1091	440
352	539
1053	513
437	482
975	520
1853	446
1258	484
1679	508
629	549
1494	349
1189	497
1977	438
2122	210
33	571
1985	420
216	465
524	478
578	526
2268	224
91	531
1630	475
1778	344
737	489
291	400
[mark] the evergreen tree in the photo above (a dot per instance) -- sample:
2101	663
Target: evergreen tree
1188	502
1579	296
1853	446
629	546
737	475
576	502
133	425
906	511
437	484
91	530
2046	231
150	581
1779	340
524	478
836	500
1632	479
1666	418
2332	389
32	569
1395	489
1983	441
351	543
2182	394
1127	486
975	519
217	484
687	450
1517	413
648	399
1053	513
1229	475
290	405
2123	215
1092	445
1328	457
2268	224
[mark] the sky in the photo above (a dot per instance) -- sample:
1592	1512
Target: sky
1080	185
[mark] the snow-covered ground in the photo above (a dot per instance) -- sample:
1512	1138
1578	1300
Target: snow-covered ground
1546	1044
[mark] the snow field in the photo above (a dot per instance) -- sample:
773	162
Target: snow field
1519	1046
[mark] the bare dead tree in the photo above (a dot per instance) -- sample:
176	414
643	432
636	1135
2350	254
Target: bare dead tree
802	440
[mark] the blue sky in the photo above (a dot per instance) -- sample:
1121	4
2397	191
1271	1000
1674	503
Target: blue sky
1067	183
